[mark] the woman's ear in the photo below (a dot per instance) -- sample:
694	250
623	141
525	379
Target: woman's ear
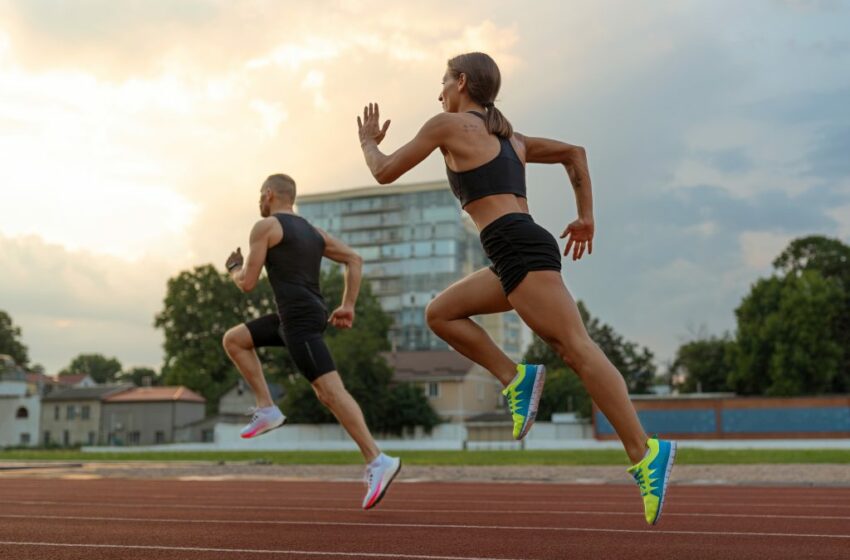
461	82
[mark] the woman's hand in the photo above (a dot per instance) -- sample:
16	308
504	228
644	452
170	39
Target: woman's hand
579	236
369	128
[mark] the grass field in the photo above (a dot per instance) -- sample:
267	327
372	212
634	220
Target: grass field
451	458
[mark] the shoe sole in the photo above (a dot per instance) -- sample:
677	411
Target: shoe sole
668	470
386	487
258	434
536	393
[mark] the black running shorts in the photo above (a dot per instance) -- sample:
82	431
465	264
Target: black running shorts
516	246
308	349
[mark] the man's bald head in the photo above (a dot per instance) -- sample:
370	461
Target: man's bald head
282	186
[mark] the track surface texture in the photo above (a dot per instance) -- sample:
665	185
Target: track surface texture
231	519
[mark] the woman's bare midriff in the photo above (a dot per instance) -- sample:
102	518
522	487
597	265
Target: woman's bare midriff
490	208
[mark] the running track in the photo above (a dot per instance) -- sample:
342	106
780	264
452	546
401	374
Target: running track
204	520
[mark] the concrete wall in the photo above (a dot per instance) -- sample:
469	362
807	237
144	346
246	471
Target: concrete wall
124	419
739	417
234	403
331	437
12	428
460	398
78	429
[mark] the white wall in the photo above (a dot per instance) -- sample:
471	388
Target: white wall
13	388
331	437
11	428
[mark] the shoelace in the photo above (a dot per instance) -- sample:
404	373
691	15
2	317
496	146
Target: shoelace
370	475
644	489
513	400
255	414
512	403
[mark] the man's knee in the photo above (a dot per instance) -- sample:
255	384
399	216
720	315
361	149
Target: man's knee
327	393
235	339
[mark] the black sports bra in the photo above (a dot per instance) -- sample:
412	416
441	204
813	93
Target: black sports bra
504	174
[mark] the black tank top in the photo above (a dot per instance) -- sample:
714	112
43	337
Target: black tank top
505	174
293	267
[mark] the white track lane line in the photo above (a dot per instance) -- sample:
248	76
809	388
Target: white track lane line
248	551
131	505
636	499
419	526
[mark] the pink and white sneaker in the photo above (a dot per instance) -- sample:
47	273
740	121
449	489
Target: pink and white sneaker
264	420
379	475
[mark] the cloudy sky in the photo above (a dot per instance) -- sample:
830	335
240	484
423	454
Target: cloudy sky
134	136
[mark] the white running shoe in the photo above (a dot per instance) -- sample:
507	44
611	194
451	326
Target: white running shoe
264	420
379	475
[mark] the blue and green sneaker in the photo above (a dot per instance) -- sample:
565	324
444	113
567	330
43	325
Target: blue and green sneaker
652	475
523	395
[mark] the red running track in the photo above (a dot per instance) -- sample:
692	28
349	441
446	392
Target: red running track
171	519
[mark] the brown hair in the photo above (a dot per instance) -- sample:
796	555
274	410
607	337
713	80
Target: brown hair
282	185
483	81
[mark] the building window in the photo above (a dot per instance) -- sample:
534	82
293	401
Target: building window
134	438
92	437
25	439
56	412
160	437
71	412
207	435
22	413
433	390
85	412
480	391
47	437
66	438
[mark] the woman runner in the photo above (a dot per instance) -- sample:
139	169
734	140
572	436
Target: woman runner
485	163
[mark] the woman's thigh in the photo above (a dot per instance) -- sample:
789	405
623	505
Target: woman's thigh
480	293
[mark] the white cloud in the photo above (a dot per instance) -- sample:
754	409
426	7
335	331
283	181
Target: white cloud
841	214
774	165
153	141
271	114
704	229
68	302
760	248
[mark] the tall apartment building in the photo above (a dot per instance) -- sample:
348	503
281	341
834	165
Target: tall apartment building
415	240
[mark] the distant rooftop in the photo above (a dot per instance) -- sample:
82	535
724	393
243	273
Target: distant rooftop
156	394
86	393
422	365
374	190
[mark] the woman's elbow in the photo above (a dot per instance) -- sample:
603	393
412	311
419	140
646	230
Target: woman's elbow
384	177
386	173
574	155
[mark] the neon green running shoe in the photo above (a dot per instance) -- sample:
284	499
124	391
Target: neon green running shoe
652	475
523	395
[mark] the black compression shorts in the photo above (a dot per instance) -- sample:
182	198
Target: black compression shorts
516	246
308	349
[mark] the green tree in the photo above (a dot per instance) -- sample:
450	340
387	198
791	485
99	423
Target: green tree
828	256
564	391
200	306
831	258
704	364
366	374
787	336
407	408
10	340
636	364
137	376
99	367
